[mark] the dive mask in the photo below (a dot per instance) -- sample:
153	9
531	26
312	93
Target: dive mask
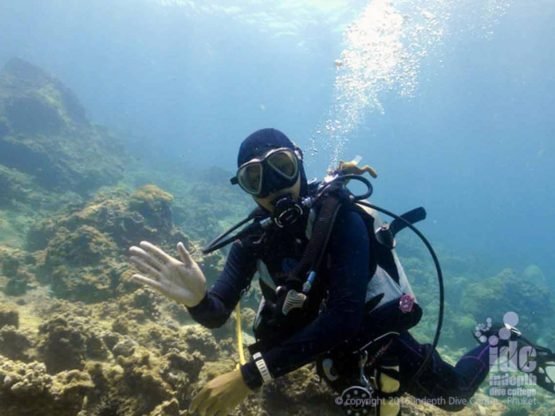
277	169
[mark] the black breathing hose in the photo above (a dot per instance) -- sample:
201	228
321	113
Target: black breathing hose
221	240
439	278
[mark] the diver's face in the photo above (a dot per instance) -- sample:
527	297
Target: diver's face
268	202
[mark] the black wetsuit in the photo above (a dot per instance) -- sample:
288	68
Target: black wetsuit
347	268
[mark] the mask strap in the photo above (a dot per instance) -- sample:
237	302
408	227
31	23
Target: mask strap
298	152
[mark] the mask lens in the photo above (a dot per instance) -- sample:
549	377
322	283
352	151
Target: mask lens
250	178
285	163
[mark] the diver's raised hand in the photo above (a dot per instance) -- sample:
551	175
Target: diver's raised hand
182	280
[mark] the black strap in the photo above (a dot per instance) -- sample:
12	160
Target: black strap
314	251
221	240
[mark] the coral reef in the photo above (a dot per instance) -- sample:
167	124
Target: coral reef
15	344
63	344
26	388
86	367
17	266
524	294
78	338
301	390
8	316
84	248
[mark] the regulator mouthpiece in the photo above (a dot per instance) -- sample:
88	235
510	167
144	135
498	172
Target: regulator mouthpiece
287	211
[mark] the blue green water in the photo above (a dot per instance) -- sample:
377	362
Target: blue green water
458	117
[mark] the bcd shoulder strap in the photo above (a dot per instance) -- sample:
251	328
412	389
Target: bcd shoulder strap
316	246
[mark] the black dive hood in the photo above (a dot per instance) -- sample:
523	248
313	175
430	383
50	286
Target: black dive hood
262	220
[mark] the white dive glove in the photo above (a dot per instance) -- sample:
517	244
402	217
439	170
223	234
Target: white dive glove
182	280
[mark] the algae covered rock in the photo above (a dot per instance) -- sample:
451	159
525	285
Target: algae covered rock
63	347
154	204
35	102
510	291
300	390
20	379
169	408
66	341
15	186
125	217
8	316
85	251
133	386
18	267
203	341
86	246
15	344
44	133
29	389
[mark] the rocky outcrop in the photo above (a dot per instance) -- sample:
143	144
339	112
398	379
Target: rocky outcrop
84	250
18	268
16	344
8	316
44	133
26	388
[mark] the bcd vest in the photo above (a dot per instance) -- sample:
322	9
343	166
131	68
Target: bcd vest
387	286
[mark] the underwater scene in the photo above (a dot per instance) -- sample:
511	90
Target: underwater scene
318	207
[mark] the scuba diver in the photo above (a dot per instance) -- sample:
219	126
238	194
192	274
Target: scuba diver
333	292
